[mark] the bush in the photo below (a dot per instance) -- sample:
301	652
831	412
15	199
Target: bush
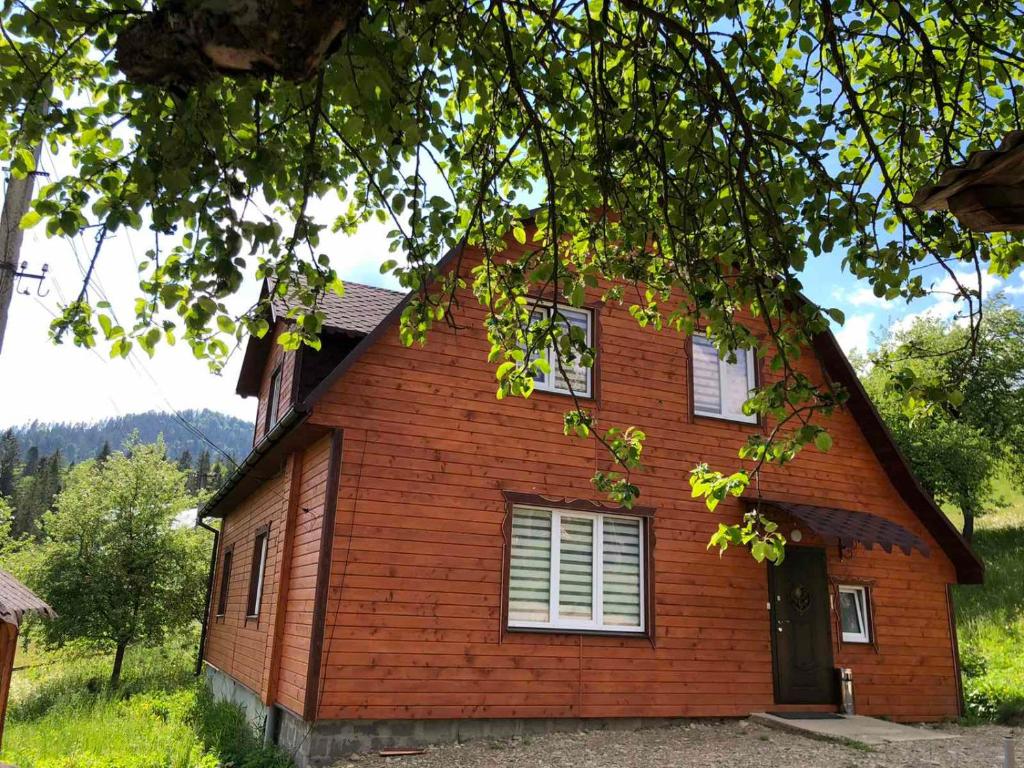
972	662
225	731
989	700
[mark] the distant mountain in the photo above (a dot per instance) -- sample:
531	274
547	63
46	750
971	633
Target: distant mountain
80	441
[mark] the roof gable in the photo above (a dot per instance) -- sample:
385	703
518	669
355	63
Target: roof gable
969	568
359	310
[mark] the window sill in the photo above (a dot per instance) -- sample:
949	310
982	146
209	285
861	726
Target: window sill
727	419
559	393
856	641
641	634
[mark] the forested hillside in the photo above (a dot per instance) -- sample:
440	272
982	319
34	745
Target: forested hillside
80	441
34	458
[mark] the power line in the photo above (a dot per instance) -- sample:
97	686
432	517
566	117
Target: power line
137	364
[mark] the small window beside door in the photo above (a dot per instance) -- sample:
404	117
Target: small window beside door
853	614
721	387
256	574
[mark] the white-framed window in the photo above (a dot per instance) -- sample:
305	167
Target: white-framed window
719	387
257	572
576	571
273	400
853	614
578	375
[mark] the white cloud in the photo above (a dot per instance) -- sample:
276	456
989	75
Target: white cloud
855	333
947	303
1015	290
861	297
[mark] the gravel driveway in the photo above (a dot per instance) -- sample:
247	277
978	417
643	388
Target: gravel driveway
733	744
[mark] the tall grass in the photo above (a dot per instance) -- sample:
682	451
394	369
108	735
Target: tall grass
63	715
990	617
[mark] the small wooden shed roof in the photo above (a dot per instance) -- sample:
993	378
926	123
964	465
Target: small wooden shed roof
16	600
986	193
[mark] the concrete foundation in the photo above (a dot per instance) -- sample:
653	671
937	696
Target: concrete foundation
316	745
226	688
321	744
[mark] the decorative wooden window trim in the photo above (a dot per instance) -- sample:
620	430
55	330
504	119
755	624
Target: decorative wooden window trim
257	572
579	508
549	381
223	591
273	401
723	366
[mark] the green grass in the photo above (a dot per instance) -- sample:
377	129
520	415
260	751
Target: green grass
62	715
990	618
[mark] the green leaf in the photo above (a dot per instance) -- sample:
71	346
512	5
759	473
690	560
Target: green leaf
823	442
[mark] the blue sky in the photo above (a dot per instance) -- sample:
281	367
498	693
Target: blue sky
63	383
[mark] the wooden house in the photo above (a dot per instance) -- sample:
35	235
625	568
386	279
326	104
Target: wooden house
404	559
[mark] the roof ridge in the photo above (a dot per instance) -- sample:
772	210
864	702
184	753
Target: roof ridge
397	292
373	287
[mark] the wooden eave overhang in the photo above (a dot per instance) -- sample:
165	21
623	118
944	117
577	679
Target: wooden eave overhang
986	193
264	462
969	567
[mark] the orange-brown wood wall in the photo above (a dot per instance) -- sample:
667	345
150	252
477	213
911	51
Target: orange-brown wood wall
237	644
413	618
298	618
242	646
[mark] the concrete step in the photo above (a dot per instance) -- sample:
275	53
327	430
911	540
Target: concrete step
851	728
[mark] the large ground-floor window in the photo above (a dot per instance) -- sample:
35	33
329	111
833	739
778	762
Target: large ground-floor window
576	571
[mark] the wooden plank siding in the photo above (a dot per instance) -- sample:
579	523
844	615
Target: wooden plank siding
413	619
298	618
241	646
237	644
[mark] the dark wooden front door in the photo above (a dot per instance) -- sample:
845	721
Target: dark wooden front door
801	645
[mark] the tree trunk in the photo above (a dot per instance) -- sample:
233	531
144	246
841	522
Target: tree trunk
181	44
968	524
115	675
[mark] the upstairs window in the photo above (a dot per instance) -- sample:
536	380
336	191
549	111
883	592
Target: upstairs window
256	574
273	400
225	584
576	374
576	571
719	387
853	614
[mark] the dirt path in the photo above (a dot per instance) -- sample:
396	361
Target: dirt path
731	744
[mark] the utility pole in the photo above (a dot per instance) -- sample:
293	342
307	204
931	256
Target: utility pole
16	202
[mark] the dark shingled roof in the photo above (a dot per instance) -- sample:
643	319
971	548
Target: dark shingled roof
852	527
16	600
359	310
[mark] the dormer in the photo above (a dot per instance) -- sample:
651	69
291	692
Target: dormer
281	379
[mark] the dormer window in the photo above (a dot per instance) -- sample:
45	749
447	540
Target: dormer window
273	400
720	387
